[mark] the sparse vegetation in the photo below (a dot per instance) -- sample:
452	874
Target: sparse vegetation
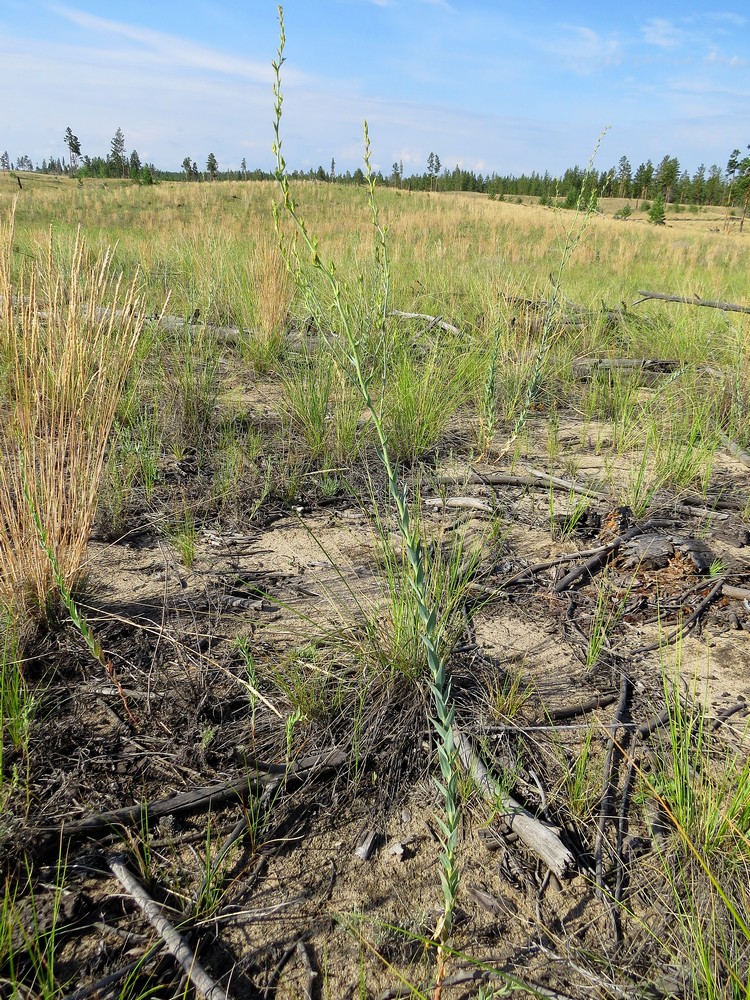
261	533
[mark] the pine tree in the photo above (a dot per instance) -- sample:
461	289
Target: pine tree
212	167
74	146
624	177
116	160
657	213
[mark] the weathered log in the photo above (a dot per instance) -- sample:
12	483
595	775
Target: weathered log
538	837
692	301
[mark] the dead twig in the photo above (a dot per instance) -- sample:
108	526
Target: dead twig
206	797
692	301
682	630
597	560
173	941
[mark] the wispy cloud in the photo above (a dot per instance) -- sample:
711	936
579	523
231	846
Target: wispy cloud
662	33
726	17
717	58
168	49
584	50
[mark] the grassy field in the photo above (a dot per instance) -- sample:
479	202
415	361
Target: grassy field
295	526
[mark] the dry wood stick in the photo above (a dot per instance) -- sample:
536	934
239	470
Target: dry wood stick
540	838
432	320
682	630
598	560
610	775
694	301
207	796
173	940
538	479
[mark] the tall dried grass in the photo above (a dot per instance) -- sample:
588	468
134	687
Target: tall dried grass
67	338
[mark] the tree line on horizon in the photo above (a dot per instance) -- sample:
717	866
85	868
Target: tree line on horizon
706	186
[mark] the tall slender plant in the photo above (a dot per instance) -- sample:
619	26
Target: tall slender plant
354	352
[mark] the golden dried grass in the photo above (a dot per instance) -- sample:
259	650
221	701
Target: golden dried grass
67	338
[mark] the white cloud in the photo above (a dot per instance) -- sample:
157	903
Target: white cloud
584	50
717	58
662	33
170	50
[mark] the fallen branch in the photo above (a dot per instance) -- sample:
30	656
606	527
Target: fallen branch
538	837
173	941
266	778
682	630
432	320
599	559
694	301
534	477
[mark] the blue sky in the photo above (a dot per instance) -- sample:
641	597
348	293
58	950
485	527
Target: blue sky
511	85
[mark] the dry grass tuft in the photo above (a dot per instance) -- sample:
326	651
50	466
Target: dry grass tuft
67	339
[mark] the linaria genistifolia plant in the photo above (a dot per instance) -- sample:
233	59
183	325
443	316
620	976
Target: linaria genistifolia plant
353	340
